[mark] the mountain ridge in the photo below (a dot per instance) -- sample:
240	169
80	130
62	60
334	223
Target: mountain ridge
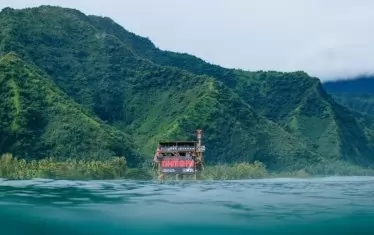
199	66
286	120
357	94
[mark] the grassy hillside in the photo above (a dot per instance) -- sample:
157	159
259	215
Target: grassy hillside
38	120
107	81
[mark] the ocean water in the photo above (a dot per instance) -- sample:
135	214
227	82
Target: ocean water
335	205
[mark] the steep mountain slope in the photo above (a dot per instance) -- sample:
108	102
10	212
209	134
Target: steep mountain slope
299	104
149	101
357	94
283	119
233	131
295	101
37	120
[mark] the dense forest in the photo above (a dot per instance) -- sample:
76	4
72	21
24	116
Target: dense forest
75	86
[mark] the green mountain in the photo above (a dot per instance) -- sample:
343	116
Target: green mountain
356	94
127	85
38	120
295	101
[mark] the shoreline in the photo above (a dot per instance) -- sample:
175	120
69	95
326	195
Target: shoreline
12	168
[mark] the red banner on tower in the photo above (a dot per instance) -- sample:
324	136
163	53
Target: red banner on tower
180	165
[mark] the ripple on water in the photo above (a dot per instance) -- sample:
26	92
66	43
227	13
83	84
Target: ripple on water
261	204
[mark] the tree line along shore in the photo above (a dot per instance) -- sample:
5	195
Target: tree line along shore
13	168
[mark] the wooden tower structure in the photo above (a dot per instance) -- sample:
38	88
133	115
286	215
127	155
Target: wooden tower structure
179	158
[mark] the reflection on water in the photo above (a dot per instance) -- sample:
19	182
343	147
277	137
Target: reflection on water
276	206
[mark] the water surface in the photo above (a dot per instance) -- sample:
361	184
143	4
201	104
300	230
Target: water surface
338	205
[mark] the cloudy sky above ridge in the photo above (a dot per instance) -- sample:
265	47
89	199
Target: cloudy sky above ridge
326	38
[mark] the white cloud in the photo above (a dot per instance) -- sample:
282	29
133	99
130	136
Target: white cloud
327	39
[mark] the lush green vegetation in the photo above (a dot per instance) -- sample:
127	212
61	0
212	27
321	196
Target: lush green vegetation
235	171
362	103
296	102
13	168
115	168
357	94
38	120
81	87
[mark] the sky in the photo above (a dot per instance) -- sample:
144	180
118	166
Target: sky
328	39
